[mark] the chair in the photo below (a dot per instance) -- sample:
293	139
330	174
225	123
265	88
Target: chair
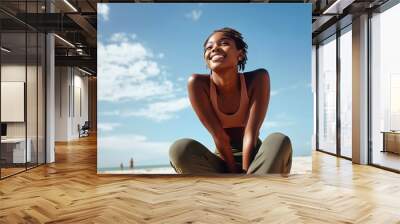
84	130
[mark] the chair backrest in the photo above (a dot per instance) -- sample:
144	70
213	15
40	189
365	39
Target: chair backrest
86	125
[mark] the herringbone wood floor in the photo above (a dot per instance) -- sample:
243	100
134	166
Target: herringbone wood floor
69	191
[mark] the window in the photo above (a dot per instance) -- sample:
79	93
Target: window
23	79
346	92
385	88
327	95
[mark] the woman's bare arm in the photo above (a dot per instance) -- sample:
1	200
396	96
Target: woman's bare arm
258	106
200	100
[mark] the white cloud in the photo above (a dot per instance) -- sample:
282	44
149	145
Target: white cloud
276	124
109	113
275	92
107	126
194	14
162	110
122	37
129	142
129	71
281	120
103	10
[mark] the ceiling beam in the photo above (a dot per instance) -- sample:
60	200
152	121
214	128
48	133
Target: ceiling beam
86	27
82	61
338	6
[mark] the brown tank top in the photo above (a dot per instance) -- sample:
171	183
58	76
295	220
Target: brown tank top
237	119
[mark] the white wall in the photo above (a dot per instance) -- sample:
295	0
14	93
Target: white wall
14	73
17	73
62	81
33	126
71	94
80	110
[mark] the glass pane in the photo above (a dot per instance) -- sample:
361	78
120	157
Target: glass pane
386	89
327	95
13	86
346	93
41	98
22	61
31	100
31	85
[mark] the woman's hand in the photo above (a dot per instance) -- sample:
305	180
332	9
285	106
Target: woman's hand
239	169
222	142
249	143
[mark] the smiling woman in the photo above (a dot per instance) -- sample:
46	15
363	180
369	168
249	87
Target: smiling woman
232	106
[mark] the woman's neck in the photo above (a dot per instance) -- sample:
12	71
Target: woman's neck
227	82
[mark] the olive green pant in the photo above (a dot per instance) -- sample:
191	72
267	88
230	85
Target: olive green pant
273	155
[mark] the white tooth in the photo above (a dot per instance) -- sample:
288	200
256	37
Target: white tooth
215	57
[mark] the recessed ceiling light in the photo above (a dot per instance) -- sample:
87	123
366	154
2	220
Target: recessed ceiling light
84	71
5	49
70	5
64	40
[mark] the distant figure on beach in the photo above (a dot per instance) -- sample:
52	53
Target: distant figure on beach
121	166
131	163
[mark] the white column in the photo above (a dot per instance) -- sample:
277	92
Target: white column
50	92
360	90
50	99
314	91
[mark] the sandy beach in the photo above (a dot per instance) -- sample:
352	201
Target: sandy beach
161	170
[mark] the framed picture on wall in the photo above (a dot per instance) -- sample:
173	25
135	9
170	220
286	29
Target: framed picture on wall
204	89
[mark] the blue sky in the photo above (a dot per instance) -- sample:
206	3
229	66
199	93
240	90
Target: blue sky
146	52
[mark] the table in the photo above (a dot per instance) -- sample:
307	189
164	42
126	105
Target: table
391	141
13	150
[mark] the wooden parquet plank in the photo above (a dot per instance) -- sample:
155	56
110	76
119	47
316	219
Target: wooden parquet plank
70	191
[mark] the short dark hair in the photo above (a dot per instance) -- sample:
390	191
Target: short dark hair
239	42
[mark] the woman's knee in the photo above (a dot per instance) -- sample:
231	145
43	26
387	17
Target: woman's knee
280	142
282	147
181	150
